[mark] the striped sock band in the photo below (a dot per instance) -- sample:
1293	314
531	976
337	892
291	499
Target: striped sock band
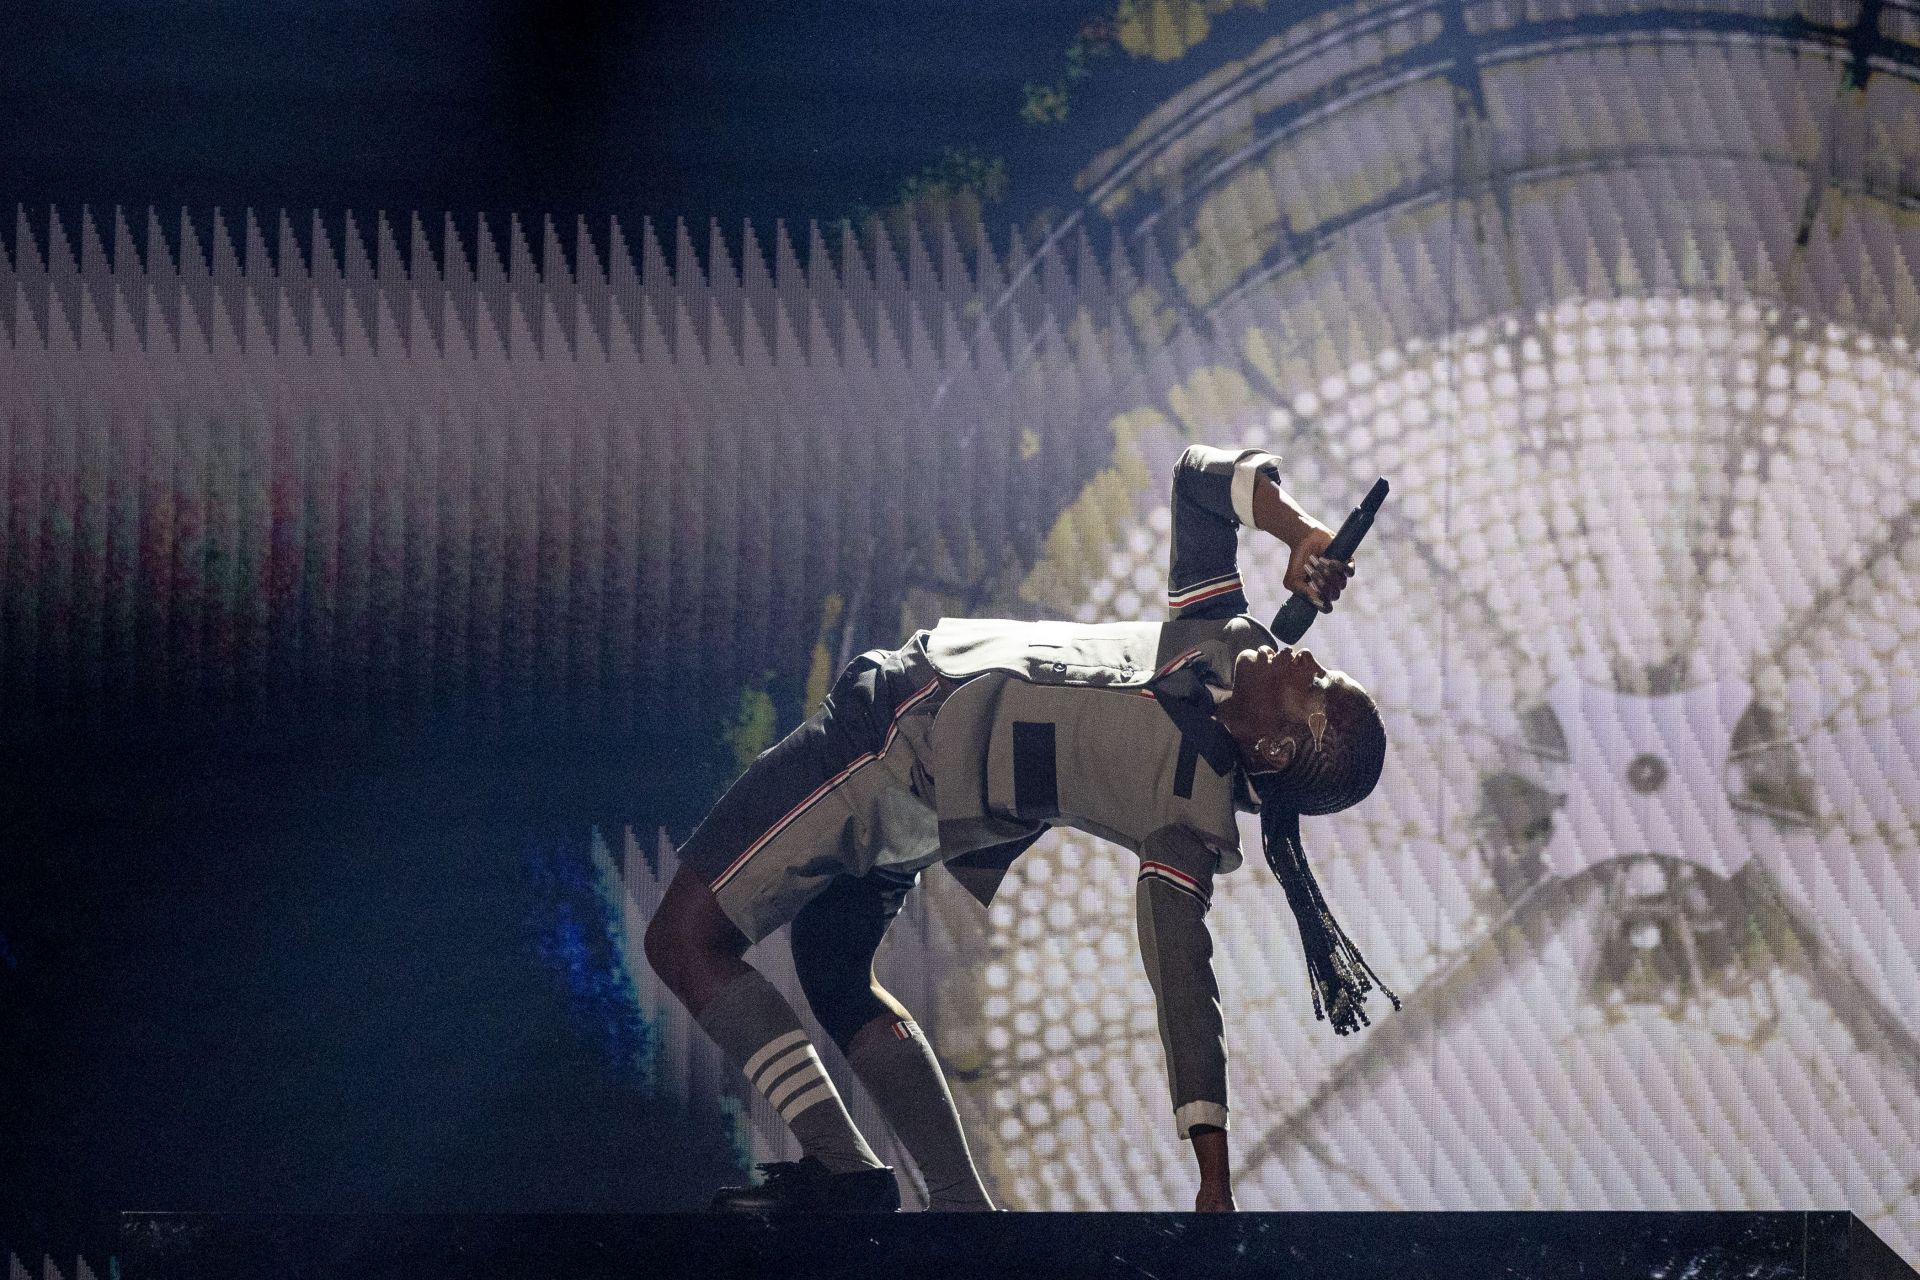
789	1074
753	1023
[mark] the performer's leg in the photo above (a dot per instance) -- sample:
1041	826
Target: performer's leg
784	831
697	951
834	939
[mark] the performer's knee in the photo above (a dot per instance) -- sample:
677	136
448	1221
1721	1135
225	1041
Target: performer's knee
837	979
842	1003
689	934
834	938
665	947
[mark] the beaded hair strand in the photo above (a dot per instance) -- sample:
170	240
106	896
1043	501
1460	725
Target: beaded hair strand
1340	769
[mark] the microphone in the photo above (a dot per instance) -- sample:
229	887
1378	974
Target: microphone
1297	614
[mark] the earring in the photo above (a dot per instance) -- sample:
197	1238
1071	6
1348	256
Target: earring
1317	726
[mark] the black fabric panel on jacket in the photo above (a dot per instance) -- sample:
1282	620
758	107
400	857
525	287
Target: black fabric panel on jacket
1184	697
1183	771
1036	780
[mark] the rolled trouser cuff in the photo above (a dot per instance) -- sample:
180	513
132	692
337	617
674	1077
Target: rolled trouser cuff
1193	1113
1246	470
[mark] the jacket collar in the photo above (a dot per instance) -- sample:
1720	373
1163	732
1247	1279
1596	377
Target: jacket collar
1186	696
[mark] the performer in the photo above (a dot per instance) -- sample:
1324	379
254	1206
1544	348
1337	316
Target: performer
963	747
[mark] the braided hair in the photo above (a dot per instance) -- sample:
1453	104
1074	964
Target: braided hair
1338	768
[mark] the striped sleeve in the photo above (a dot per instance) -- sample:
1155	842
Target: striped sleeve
1170	902
1212	498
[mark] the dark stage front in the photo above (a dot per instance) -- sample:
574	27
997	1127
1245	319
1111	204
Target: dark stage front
1404	1246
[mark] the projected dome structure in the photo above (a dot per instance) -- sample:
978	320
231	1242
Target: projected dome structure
1621	303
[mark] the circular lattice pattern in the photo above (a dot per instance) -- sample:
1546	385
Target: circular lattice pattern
1639	495
1647	774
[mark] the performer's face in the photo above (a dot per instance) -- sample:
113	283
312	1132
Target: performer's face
1279	704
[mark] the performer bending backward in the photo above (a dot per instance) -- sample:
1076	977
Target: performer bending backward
962	748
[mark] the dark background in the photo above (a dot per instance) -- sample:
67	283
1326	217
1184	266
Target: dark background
725	110
354	971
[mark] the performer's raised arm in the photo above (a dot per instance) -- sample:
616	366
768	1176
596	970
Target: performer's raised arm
1171	899
1215	491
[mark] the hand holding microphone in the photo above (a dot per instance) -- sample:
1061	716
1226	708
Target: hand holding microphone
1322	571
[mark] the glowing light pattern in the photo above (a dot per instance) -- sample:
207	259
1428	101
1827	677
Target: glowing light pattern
1639	501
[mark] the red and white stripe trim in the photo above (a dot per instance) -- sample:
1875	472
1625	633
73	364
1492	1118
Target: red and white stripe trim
1200	591
1176	663
1177	878
820	792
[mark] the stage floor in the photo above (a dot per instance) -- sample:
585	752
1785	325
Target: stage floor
1403	1246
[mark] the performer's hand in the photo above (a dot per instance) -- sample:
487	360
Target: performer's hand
1214	1198
1311	574
1318	579
1216	1178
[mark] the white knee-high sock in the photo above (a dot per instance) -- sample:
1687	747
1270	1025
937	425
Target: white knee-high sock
904	1078
758	1031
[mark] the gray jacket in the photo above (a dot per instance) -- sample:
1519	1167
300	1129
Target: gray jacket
1054	723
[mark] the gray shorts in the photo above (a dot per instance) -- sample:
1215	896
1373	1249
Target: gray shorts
844	794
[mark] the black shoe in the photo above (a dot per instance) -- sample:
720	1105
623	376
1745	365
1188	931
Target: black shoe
806	1186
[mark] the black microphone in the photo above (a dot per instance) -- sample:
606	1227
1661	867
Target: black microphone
1297	614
